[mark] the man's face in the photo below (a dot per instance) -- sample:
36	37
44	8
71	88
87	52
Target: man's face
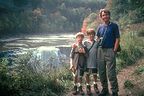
105	17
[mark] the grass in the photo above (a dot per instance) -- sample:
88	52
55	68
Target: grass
139	70
22	80
132	49
128	84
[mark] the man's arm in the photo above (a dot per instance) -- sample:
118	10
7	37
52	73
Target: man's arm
116	45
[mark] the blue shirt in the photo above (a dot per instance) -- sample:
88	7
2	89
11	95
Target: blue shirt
111	32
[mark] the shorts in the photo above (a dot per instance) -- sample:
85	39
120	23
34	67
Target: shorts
92	71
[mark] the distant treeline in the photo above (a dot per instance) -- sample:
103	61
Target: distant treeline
45	16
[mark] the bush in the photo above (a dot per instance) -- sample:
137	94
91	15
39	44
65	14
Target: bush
139	70
128	84
132	50
21	80
141	33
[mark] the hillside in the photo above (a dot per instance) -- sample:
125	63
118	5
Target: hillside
129	15
45	16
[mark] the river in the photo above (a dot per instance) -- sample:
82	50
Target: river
34	41
49	48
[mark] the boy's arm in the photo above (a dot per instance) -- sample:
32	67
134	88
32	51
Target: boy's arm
86	51
71	64
71	57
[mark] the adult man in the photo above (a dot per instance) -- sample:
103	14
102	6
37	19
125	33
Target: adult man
108	36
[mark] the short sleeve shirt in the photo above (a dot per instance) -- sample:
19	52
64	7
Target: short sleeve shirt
92	54
111	32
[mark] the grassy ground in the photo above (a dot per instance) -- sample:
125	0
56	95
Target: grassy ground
131	81
22	80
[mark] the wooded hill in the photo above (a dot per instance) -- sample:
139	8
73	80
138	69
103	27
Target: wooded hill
45	16
123	12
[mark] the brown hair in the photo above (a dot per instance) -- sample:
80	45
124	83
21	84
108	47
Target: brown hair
105	11
90	31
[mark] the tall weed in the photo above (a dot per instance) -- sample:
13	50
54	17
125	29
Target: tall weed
132	49
21	80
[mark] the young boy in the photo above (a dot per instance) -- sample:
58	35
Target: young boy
77	62
91	68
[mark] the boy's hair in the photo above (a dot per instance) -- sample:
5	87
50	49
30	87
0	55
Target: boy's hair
105	11
90	31
79	34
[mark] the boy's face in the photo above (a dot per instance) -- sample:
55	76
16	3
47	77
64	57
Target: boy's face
91	36
79	39
105	17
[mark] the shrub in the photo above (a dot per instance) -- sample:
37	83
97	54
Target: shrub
141	33
128	84
139	70
132	50
21	80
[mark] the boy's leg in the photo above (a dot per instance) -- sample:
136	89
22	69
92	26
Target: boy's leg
80	89
94	72
88	87
75	79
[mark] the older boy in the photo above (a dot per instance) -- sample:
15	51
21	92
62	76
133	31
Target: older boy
91	67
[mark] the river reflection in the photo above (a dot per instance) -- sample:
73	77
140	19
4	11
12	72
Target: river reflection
51	50
34	41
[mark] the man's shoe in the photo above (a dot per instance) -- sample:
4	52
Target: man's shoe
114	93
88	89
75	92
104	92
96	88
81	92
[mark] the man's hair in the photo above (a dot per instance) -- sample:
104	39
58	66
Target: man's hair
105	11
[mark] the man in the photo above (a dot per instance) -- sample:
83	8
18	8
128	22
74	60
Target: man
108	37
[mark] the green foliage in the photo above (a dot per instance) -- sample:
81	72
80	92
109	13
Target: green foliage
139	70
128	84
141	33
21	80
36	16
132	50
133	10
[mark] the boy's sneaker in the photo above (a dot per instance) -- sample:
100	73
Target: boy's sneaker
88	89
81	92
104	92
96	88
75	92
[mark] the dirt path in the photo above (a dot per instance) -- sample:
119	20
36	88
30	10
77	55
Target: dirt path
128	73
125	74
